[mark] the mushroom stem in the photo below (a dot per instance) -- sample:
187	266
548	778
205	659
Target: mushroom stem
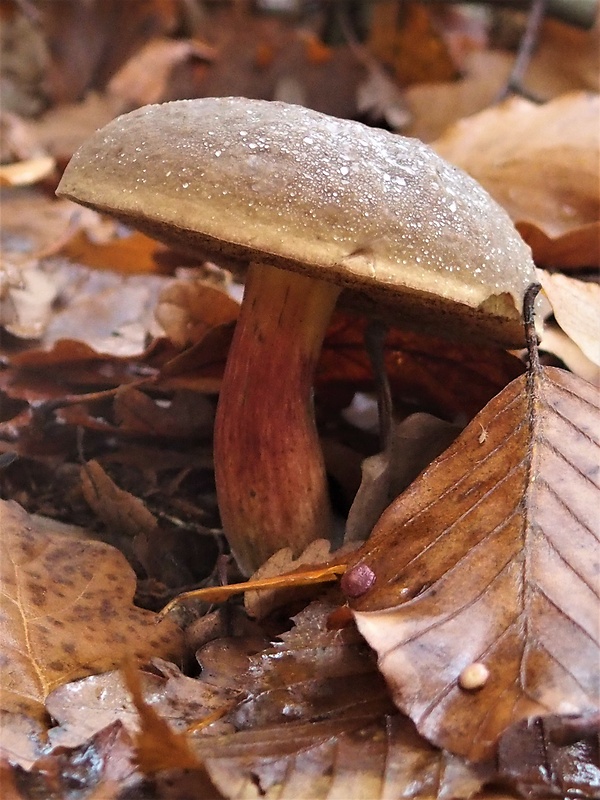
271	481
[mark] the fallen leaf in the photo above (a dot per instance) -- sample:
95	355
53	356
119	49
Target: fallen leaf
317	723
405	38
490	558
445	378
557	342
66	612
540	162
436	106
24	173
26	298
187	310
119	510
413	444
100	769
22	739
259	604
84	707
134	253
576	307
187	415
148	75
568	251
530	761
88	43
157	746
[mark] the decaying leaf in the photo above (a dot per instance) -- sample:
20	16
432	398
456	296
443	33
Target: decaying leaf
259	604
188	310
491	558
66	612
540	162
148	75
532	761
26	297
413	444
317	723
446	378
557	342
84	707
158	747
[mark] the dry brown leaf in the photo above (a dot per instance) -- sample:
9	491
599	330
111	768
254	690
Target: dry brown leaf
540	162
188	309
25	173
111	313
576	307
158	747
62	128
557	342
259	604
404	37
185	416
119	510
571	250
487	567
66	612
435	106
316	723
89	42
413	444
134	253
83	708
148	75
26	299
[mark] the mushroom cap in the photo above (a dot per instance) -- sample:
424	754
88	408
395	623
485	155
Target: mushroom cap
380	214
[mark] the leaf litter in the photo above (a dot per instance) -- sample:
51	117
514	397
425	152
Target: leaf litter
491	557
315	718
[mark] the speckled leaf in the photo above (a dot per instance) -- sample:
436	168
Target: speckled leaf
491	557
318	723
66	612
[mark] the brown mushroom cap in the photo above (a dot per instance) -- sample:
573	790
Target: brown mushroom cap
375	212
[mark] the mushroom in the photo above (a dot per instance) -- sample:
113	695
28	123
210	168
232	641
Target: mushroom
314	205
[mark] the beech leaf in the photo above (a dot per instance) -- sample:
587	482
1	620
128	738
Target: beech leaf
539	162
66	612
576	306
486	568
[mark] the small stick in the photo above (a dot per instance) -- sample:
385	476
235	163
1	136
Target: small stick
530	332
374	341
527	45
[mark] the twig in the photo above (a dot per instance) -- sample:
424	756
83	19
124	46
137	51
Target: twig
527	45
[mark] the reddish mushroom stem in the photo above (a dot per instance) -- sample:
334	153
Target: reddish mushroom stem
271	480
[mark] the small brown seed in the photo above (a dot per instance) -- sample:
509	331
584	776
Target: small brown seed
474	676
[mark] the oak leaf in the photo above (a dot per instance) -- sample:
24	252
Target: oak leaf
488	565
66	612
